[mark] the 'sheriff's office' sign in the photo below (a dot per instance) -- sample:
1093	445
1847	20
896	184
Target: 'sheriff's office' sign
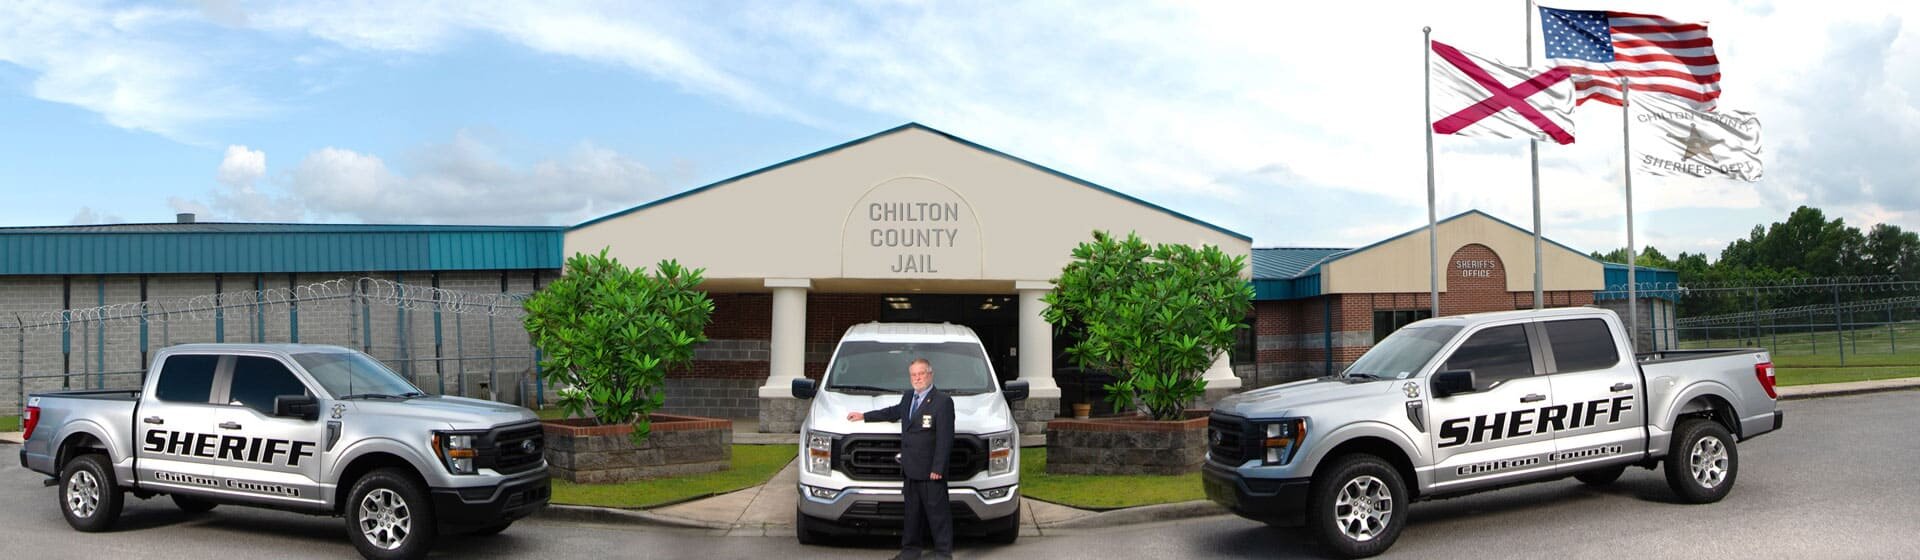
911	227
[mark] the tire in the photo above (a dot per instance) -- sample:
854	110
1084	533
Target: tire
803	529
391	505
191	504
1703	462
89	497
490	530
1601	476
1006	530
1359	508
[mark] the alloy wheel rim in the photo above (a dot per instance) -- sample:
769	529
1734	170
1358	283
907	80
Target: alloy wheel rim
83	494
385	519
1363	508
1708	462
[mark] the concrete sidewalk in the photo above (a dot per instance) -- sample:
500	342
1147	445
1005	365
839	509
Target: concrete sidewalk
767	510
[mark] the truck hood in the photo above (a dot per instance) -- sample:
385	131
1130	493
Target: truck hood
1293	398
458	413
972	414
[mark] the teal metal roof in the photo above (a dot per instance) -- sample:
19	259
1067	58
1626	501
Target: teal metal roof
1287	262
205	248
915	125
1653	282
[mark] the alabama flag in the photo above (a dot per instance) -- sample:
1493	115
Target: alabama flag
1477	96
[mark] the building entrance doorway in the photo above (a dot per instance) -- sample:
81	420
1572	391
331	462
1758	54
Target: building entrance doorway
992	316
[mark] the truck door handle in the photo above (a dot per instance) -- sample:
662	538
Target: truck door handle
1617	387
154	420
1533	398
229	425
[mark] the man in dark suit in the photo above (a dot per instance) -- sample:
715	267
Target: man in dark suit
926	440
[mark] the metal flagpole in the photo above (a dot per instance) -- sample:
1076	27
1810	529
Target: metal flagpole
1433	230
1626	160
1533	156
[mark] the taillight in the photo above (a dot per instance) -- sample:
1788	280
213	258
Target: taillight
27	422
1764	372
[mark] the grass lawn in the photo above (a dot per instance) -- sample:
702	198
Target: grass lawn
752	465
9	423
551	413
1102	492
1865	346
1812	375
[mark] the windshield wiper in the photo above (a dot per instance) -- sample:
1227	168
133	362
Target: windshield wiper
373	396
412	395
964	392
845	388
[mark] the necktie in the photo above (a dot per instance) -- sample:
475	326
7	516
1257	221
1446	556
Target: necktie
915	409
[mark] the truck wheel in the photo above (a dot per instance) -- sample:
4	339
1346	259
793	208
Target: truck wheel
1703	462
1359	508
89	498
192	505
1601	476
389	516
803	529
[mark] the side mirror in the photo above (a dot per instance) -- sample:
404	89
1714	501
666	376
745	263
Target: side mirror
803	388
304	407
1454	382
1015	390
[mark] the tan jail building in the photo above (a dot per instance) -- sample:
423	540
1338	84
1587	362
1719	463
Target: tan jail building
907	225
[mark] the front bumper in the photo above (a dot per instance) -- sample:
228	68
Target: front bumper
871	510
1275	501
480	506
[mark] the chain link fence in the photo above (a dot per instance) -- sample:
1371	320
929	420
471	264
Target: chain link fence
1814	322
448	342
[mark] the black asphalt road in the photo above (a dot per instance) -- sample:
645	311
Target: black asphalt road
1842	481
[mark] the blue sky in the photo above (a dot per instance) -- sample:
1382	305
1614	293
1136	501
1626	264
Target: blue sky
1294	124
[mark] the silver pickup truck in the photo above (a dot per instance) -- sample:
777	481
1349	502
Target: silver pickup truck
1455	405
313	429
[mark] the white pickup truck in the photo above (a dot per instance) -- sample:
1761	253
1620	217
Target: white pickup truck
1455	405
312	429
850	479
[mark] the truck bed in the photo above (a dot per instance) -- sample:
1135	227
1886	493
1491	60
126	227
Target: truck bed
1670	356
94	394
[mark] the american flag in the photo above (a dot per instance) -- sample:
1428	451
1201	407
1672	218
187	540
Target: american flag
1657	55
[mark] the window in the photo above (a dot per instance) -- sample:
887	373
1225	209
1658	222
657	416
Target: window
1404	352
958	367
186	378
1582	345
1495	354
256	381
1385	322
1246	342
346	374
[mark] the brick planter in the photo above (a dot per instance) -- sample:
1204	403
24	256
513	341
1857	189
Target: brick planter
578	451
1127	445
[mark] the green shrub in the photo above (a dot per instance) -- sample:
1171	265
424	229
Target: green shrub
1154	316
609	334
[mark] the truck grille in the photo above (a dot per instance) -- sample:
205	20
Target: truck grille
506	448
871	457
1227	438
898	511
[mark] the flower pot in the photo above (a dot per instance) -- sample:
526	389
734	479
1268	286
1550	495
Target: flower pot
1082	411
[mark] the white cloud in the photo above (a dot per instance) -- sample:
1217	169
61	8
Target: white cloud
89	216
242	166
116	62
464	181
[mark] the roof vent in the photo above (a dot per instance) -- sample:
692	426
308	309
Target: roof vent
184	217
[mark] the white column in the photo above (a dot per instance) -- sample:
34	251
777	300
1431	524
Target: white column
1220	374
1036	341
788	347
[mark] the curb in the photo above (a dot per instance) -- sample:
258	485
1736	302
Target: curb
1141	514
1848	392
614	516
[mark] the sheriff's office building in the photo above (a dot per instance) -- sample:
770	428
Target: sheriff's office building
910	224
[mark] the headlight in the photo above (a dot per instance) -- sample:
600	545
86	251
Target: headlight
821	493
1282	440
819	453
1000	453
456	452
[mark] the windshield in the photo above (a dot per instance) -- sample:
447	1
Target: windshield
348	374
1403	352
958	367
